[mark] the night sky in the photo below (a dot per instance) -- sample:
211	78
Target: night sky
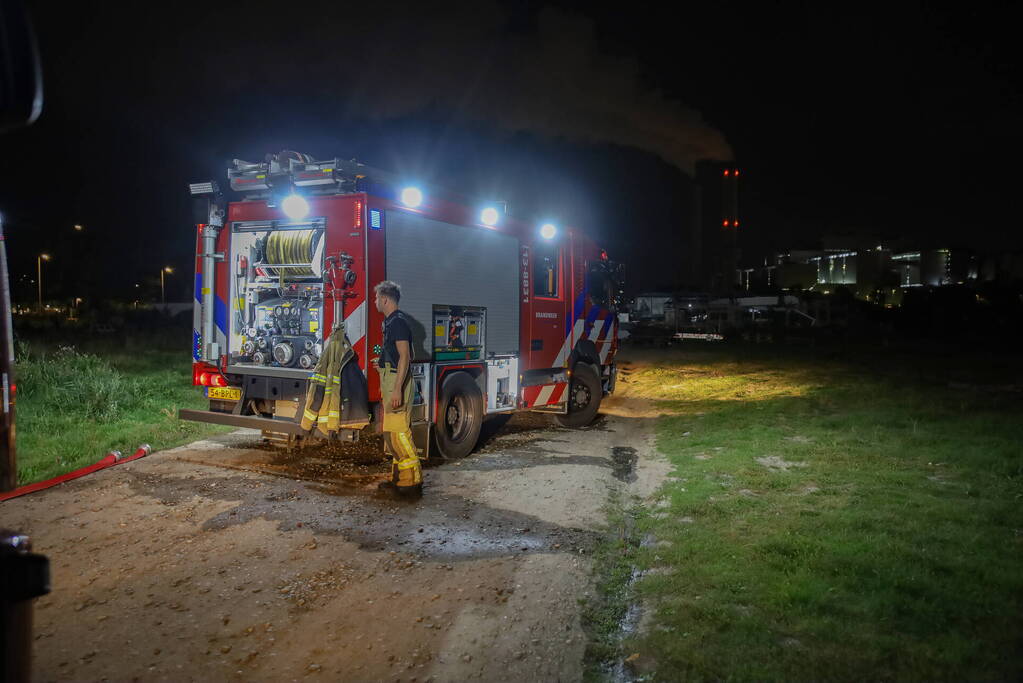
896	123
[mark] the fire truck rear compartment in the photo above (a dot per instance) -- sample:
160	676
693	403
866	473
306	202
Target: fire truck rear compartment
276	294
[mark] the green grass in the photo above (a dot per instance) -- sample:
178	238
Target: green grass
74	407
885	543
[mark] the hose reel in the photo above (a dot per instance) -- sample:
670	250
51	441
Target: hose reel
300	251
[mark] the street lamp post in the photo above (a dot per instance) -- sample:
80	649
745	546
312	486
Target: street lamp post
39	276
165	269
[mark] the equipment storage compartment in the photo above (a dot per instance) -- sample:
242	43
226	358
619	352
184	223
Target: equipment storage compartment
458	332
502	384
276	294
441	263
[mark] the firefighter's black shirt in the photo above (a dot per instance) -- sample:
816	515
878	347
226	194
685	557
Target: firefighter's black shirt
396	328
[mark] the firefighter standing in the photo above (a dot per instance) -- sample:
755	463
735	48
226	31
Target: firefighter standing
394	366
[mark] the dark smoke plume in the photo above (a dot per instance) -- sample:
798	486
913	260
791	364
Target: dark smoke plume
465	61
552	81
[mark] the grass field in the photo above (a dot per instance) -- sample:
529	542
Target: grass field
73	406
830	518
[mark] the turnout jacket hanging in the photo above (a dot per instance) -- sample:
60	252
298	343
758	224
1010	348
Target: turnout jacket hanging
337	395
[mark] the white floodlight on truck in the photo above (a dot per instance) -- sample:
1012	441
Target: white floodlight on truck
295	207
489	216
548	231
412	197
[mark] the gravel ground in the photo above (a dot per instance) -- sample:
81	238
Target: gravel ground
225	559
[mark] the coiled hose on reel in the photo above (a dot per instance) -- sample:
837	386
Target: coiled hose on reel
292	247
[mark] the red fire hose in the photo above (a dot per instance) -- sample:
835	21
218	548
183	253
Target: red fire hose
110	459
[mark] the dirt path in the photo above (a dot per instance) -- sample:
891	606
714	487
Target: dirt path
224	559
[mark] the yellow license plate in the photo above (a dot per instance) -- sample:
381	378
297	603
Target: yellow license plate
224	393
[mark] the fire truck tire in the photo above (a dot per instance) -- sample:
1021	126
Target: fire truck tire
584	394
459	417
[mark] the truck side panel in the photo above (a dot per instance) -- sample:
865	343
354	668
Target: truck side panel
440	263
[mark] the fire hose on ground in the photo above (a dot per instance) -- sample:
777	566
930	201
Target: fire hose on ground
109	460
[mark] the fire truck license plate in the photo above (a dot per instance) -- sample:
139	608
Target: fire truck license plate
224	393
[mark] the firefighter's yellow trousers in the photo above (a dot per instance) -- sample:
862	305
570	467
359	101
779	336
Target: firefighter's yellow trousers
405	468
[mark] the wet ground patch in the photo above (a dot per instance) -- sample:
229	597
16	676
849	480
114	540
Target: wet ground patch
439	526
624	460
341	469
526	458
611	614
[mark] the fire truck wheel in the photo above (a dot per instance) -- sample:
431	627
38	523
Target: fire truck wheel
584	394
459	417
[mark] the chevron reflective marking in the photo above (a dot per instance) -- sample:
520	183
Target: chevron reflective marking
355	324
566	348
608	338
577	310
544	394
606	350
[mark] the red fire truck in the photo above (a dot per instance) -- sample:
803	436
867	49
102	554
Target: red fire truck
506	315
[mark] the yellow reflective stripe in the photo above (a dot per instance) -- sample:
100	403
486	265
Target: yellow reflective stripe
334	413
407	464
322	418
328	391
318	378
309	415
408	447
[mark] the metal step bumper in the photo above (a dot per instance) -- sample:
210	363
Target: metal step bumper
252	422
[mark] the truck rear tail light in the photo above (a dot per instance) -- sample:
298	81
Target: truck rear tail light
204	375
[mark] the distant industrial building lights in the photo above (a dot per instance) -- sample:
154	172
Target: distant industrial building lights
412	197
295	207
489	216
548	231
